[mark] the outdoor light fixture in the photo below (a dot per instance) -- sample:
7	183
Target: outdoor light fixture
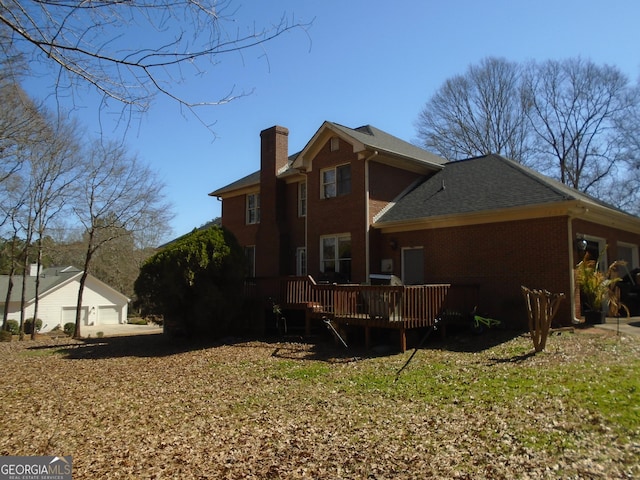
581	244
393	243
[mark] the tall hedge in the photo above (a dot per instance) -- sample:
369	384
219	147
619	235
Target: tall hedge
195	283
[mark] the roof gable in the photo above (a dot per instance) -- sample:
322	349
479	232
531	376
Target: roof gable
366	140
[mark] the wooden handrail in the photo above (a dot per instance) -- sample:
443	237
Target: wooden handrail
414	305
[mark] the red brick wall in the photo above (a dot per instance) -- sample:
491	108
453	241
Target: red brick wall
343	214
611	235
233	218
294	228
385	184
498	257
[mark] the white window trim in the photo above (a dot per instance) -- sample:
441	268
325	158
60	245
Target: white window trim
302	200
335	180
602	244
634	254
301	261
256	196
336	260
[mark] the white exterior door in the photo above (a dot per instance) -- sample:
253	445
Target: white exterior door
413	266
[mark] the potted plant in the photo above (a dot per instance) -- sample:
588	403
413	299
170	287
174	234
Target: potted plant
598	287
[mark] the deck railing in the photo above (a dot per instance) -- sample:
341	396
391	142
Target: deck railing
381	305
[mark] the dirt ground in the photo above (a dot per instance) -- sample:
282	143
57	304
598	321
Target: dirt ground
141	407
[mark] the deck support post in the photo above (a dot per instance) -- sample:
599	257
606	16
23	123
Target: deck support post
403	339
307	322
367	337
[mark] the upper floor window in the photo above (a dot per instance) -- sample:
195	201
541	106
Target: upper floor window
253	208
302	199
336	181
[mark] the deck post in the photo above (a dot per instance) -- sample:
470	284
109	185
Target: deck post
367	337
403	339
307	322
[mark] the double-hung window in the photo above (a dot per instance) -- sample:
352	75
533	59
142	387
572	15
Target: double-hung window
301	261
336	181
253	208
302	199
335	252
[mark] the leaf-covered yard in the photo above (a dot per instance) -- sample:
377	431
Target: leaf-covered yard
135	407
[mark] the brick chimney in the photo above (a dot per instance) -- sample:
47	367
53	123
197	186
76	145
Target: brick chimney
270	241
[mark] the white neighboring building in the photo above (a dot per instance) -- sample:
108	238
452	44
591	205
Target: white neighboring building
58	297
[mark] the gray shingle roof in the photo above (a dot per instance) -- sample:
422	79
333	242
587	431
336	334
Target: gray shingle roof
251	179
480	184
49	278
248	181
378	140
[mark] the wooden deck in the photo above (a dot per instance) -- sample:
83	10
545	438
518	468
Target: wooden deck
369	306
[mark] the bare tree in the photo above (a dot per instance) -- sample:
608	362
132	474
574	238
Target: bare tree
576	111
572	120
121	197
477	113
54	173
43	188
20	124
131	50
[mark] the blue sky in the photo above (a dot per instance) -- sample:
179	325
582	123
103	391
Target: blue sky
361	62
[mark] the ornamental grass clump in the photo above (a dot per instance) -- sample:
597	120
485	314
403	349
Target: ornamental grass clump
598	287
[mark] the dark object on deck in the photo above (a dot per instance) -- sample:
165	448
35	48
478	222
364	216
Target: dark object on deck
384	279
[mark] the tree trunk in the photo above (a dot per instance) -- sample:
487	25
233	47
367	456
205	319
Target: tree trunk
5	317
36	299
83	279
23	295
77	333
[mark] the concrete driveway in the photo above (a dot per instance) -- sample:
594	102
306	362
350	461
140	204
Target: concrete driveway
629	326
119	330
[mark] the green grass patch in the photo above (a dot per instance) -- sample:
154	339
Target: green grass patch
300	371
42	352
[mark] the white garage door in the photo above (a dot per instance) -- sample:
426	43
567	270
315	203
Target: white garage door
108	316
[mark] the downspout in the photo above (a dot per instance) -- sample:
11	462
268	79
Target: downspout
306	223
572	214
572	277
306	230
366	214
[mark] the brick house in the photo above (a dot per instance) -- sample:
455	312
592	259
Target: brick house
356	202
